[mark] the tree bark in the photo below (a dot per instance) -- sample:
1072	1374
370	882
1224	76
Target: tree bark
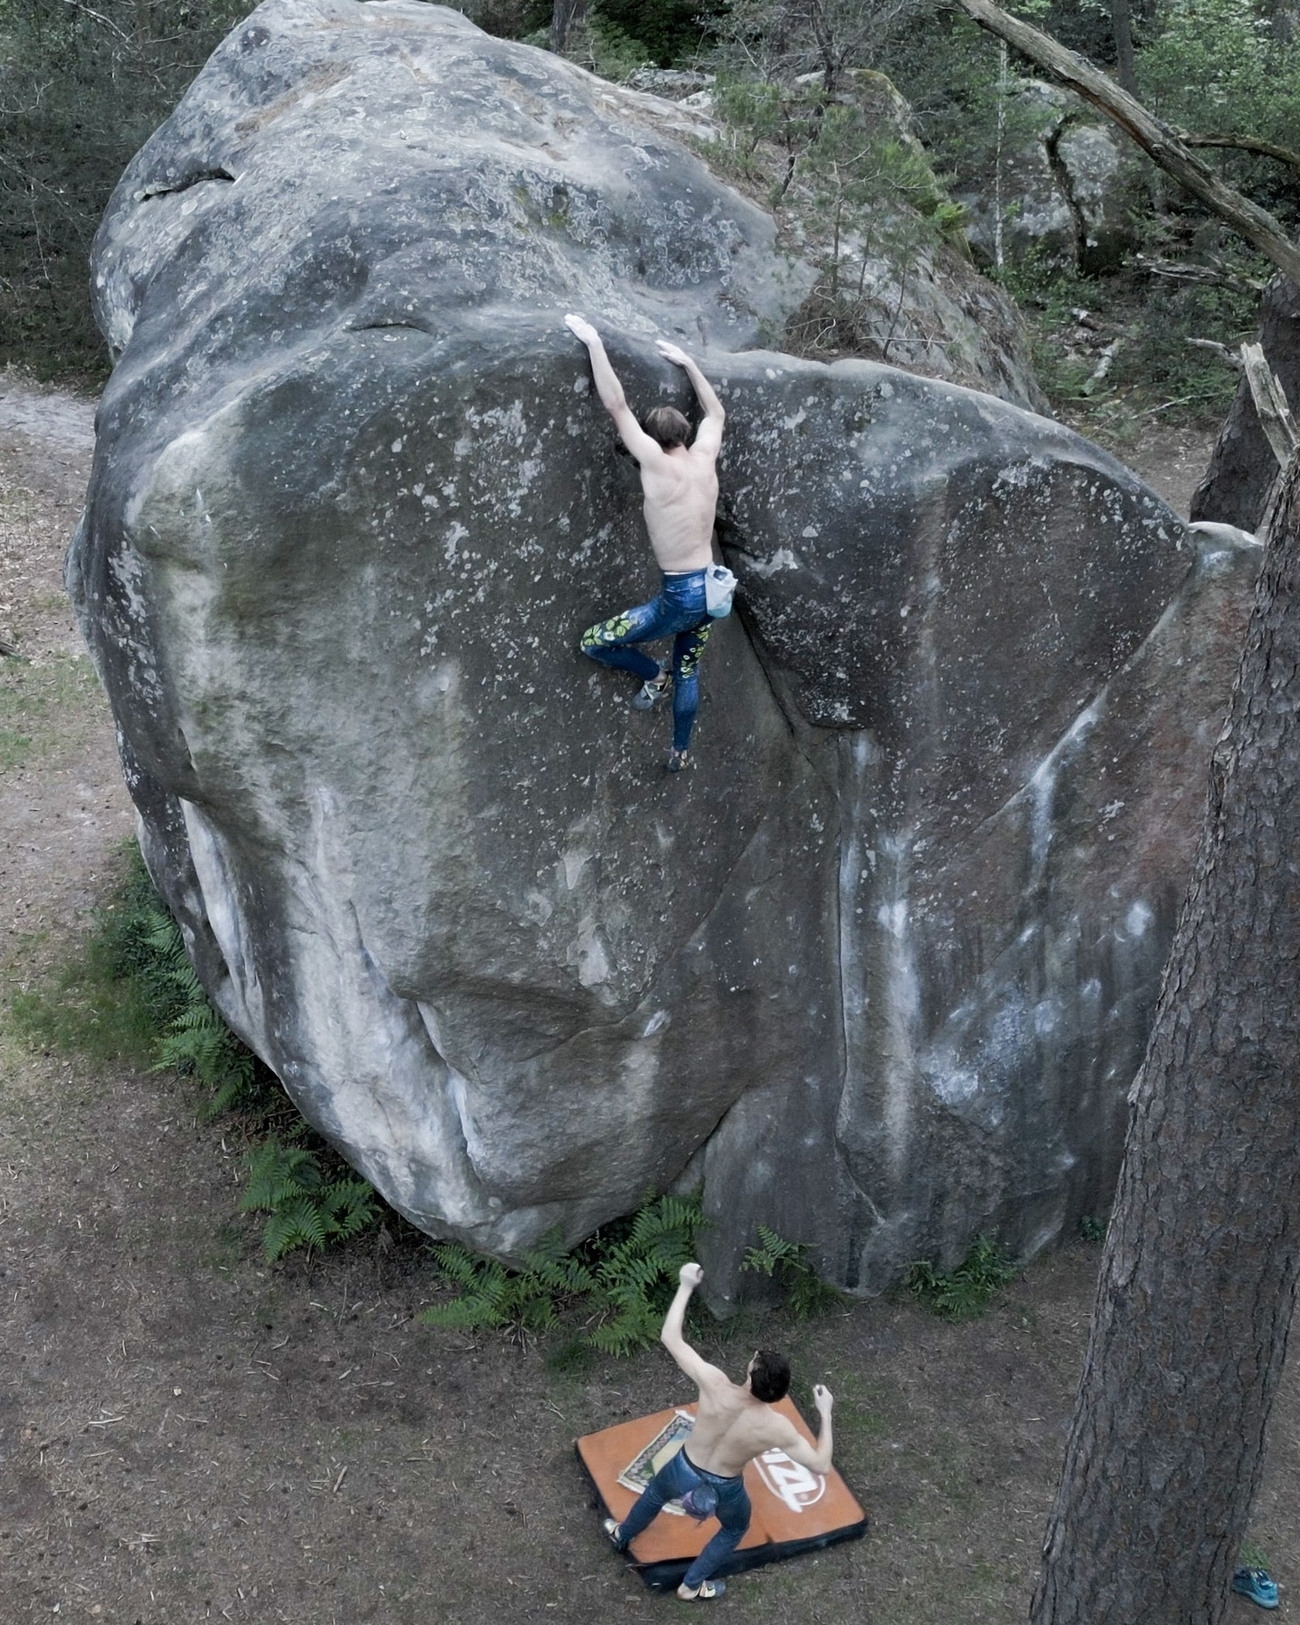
1198	1280
1121	26
1242	470
1157	140
566	15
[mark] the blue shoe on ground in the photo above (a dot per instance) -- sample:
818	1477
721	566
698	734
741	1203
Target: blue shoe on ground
1256	1585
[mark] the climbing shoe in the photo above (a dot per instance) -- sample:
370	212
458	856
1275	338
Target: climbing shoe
648	693
1256	1585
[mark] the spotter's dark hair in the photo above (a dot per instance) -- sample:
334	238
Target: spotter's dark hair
769	1377
667	425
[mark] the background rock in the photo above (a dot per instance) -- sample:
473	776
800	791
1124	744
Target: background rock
1059	188
878	971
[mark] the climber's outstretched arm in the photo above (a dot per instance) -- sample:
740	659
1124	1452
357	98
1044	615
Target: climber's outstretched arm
634	437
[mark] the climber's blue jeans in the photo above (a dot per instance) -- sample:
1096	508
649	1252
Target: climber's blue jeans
673	1479
678	612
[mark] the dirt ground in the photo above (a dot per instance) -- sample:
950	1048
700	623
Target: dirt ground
187	1435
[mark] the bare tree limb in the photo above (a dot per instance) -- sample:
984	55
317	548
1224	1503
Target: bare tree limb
100	18
1247	143
1160	143
1221	352
1215	276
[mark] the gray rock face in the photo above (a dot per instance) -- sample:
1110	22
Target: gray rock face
878	972
1059	189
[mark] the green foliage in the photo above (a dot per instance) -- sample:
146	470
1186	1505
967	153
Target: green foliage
195	1039
617	1285
1225	67
659	31
1160	361
1092	1230
636	1274
841	172
133	995
620	1281
965	1292
306	1207
81	89
806	1295
509	19
526	1300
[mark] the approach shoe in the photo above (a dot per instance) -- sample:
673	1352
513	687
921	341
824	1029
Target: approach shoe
1256	1585
707	1591
648	693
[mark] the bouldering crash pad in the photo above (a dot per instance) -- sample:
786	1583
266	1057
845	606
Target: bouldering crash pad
795	1509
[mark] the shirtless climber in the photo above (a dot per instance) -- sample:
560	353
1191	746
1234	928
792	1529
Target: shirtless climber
680	483
734	1422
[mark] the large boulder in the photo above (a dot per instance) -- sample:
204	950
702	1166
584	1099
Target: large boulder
878	972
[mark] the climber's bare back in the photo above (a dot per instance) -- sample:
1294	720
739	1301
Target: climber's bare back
732	1427
681	500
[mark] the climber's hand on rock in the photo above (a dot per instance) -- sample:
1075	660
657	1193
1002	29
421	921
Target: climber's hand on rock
582	329
690	1275
673	352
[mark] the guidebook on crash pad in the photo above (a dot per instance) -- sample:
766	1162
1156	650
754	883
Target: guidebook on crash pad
795	1509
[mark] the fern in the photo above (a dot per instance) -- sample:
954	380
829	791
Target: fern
965	1292
306	1209
806	1294
621	1279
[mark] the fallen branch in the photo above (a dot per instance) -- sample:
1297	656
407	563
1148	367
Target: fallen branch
1221	352
1102	368
1271	405
1213	276
1161	144
8	649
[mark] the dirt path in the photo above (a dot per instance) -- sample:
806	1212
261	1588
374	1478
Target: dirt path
187	1435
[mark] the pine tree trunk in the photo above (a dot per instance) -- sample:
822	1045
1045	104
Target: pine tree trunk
1121	25
566	16
1198	1281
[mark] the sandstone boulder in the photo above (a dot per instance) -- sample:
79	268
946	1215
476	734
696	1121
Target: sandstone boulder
878	972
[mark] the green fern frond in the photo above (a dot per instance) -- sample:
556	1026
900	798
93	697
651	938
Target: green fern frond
296	1223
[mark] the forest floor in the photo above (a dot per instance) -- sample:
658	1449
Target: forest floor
186	1434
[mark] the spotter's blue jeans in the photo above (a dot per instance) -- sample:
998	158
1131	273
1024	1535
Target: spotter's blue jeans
679	1474
678	612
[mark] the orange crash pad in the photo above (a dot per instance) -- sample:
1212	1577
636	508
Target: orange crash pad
795	1510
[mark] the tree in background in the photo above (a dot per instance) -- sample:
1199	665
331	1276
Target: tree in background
780	40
